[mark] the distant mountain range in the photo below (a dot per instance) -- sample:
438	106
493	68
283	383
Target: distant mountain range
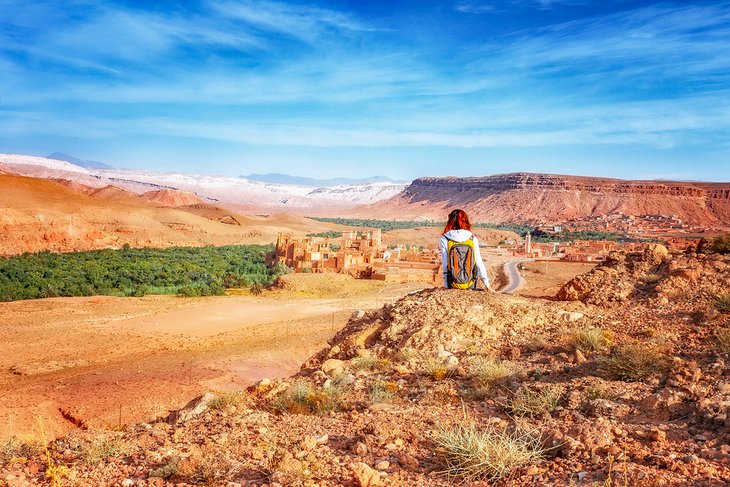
278	178
60	156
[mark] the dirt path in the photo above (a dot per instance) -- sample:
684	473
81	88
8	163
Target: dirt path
103	361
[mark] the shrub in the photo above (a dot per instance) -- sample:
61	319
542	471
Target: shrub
256	288
635	362
535	402
651	278
14	448
721	245
590	339
369	363
472	454
721	302
305	399
487	371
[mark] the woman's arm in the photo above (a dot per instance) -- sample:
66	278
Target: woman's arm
443	246
480	264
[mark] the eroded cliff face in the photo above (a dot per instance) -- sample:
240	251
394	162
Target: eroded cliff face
528	197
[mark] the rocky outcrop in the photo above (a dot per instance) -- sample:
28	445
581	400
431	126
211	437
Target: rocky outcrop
527	197
653	275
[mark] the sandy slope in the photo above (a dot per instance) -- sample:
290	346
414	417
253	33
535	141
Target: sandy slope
39	214
96	358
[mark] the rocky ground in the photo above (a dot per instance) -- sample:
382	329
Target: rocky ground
626	381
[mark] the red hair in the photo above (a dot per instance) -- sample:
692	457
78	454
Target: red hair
458	220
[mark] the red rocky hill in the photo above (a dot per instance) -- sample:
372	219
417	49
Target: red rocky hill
534	198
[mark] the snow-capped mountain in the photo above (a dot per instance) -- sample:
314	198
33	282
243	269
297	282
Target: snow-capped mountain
237	192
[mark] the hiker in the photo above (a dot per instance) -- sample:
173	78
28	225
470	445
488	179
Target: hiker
461	260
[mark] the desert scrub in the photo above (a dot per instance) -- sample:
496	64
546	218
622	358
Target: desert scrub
723	340
382	391
721	302
635	362
223	401
13	448
487	370
369	363
306	399
589	339
535	402
210	465
471	454
105	446
437	369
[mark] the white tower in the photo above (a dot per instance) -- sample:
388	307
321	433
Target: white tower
528	243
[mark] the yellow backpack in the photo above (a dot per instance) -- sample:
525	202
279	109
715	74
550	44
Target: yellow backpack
461	271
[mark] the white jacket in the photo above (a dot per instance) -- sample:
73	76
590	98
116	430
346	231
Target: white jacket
461	236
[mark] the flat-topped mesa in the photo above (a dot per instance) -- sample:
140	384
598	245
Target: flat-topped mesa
531	181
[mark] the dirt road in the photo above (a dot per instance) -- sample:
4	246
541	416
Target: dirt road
105	361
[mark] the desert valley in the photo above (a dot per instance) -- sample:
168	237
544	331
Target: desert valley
332	357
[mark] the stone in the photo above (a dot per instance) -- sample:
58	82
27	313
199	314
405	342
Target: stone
579	357
571	316
194	408
309	443
356	315
345	380
364	475
452	361
333	367
382	465
360	448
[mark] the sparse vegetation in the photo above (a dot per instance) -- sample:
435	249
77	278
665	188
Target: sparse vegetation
651	278
535	402
471	454
188	271
720	245
104	447
723	340
382	391
721	302
307	399
369	363
487	371
437	369
635	362
225	400
14	448
210	465
589	339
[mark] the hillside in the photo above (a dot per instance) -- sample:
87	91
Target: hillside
434	390
172	198
41	214
537	198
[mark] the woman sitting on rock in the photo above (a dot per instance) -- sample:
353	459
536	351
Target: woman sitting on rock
461	261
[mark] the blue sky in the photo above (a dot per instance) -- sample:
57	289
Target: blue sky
357	88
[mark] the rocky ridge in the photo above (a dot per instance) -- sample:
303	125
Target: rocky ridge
528	197
372	407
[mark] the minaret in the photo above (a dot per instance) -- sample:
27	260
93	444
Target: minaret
528	243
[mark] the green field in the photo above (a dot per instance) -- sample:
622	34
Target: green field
188	271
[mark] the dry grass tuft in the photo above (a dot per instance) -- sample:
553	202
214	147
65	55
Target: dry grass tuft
635	362
488	371
369	363
305	399
104	447
535	402
382	391
721	302
472	454
225	400
589	339
437	369
723	340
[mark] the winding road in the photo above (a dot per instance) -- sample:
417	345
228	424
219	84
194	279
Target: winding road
514	278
